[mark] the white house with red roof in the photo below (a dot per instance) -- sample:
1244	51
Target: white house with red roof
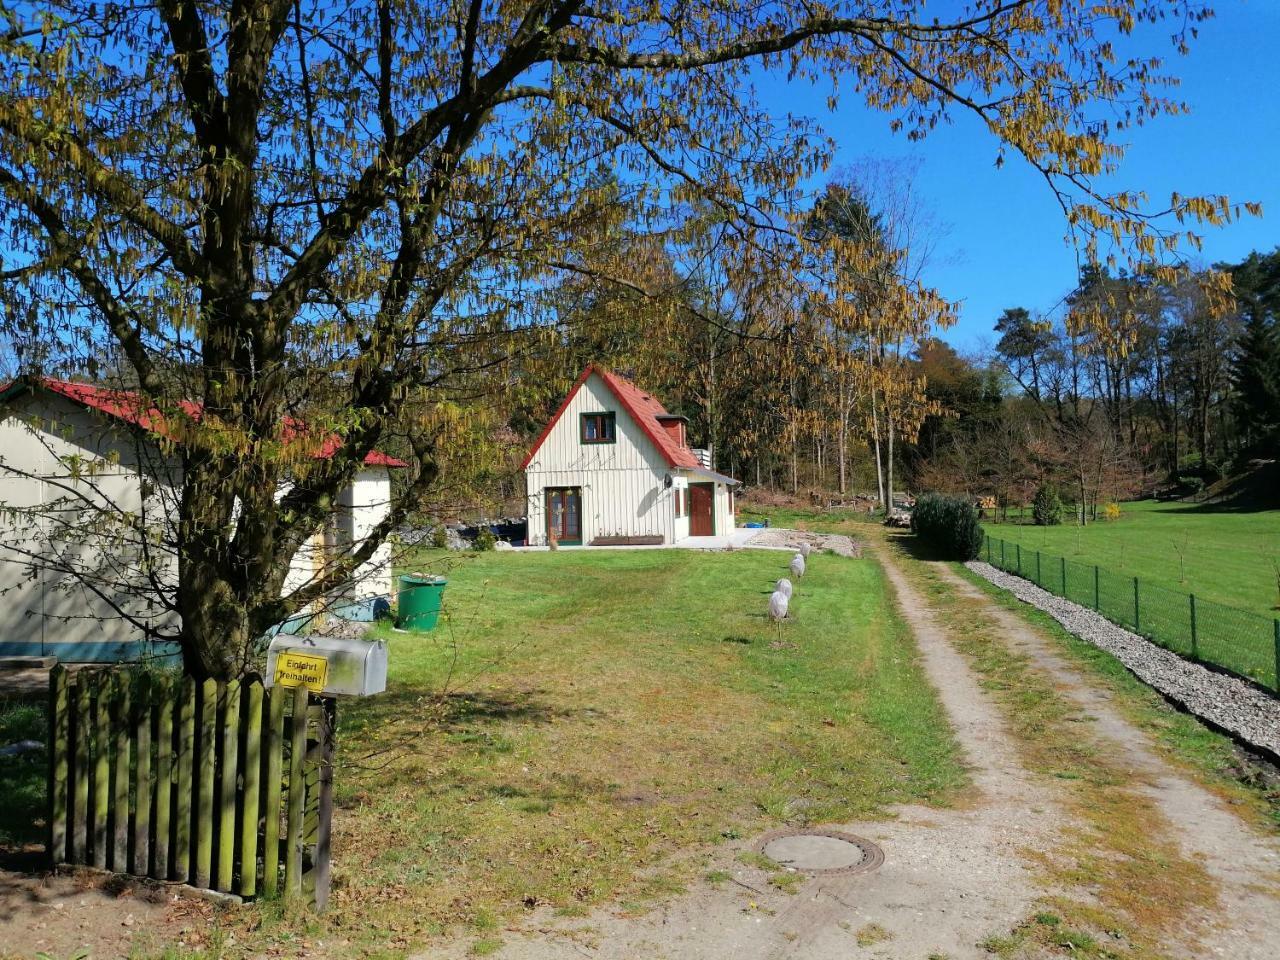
83	469
613	467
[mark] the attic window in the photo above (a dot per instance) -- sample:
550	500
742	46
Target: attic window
598	428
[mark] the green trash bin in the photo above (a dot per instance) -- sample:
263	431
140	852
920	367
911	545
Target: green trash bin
419	601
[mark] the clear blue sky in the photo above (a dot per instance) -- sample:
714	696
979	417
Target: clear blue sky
1005	246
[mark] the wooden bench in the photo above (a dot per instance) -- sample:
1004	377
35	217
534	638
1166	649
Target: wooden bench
649	540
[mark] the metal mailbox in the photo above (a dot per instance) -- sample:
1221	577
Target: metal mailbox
328	666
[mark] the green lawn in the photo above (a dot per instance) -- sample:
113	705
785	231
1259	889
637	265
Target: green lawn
580	717
1218	555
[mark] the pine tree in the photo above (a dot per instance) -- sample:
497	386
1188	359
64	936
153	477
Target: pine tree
1256	367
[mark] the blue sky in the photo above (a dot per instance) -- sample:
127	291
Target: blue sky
1004	245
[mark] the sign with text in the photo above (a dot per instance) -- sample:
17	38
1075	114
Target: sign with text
301	670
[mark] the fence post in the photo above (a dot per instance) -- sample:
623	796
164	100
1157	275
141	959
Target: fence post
142	777
203	784
165	700
1277	630
1019	546
252	790
124	743
185	758
229	694
80	771
328	732
1063	562
101	768
59	730
297	792
1137	621
1003	564
1195	653
271	801
1038	577
1097	597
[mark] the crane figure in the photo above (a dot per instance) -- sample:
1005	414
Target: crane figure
797	566
778	604
783	586
806	548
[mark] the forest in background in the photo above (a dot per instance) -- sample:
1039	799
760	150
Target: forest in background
827	378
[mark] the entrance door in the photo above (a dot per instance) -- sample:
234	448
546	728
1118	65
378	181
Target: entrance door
702	522
564	514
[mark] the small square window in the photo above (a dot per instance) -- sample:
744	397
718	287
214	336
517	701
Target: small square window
598	428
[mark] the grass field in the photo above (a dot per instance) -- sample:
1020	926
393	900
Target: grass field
583	716
1216	554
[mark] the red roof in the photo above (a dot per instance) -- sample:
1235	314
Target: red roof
643	408
128	406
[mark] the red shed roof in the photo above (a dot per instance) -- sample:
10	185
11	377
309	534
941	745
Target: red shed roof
643	408
128	406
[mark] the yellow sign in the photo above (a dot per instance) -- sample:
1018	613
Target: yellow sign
301	670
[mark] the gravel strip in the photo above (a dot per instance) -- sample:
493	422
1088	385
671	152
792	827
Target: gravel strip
1224	701
782	538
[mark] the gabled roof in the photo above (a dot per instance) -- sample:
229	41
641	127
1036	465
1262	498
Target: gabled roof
129	407
643	408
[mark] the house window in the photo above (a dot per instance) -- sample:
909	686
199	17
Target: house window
598	428
680	508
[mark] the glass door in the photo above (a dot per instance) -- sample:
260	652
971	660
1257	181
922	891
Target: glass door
564	514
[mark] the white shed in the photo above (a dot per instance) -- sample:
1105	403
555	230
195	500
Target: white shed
73	458
614	467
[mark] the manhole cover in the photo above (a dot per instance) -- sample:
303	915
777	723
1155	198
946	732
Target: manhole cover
820	851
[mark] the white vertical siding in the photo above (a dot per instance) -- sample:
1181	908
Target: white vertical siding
723	511
66	461
623	483
43	437
362	507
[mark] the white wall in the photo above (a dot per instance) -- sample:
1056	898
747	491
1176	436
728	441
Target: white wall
723	512
622	483
362	507
87	481
49	439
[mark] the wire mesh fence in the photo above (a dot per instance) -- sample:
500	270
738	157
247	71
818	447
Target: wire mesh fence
1236	640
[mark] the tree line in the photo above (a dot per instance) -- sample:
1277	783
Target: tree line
1140	385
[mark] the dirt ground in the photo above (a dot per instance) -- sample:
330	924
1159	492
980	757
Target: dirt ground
106	917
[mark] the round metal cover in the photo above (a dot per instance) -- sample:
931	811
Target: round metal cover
820	851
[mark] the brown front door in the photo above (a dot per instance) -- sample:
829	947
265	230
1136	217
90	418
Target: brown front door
564	514
702	522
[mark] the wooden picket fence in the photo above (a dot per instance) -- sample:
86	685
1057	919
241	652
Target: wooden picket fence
223	786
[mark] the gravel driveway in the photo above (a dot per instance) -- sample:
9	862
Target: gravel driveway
1231	704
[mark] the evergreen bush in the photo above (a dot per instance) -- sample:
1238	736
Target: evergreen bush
949	525
1047	506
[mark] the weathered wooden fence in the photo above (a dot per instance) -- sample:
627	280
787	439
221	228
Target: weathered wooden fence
224	786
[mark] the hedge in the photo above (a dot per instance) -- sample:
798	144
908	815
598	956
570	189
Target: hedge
947	524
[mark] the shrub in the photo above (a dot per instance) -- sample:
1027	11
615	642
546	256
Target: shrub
1047	506
440	537
1111	511
949	525
485	539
